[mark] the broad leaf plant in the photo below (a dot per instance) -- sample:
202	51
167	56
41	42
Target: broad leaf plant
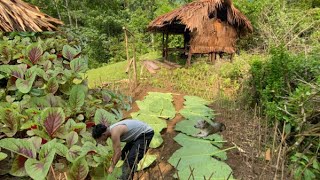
47	110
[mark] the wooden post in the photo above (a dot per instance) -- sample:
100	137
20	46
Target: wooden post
126	40
166	51
163	46
213	57
189	58
134	64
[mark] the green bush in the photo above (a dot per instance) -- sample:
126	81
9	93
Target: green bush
287	88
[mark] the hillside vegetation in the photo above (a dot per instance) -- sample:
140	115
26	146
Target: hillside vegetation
55	86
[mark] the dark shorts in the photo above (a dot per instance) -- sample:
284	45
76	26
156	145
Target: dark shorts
134	151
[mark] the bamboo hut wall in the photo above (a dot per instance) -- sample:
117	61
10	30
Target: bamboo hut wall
217	36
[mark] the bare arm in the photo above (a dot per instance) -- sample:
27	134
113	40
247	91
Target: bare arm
116	149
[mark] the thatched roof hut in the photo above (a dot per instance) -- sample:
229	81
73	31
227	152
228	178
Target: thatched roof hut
16	15
209	26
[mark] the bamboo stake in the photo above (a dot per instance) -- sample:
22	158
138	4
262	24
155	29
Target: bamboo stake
280	150
54	174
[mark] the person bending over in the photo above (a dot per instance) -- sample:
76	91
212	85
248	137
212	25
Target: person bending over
137	136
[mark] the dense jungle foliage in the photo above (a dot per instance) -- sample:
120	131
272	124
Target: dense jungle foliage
41	78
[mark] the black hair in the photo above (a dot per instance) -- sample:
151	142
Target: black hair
98	130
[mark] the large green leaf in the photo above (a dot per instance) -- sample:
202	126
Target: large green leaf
155	104
104	117
195	100
17	168
79	65
9	119
187	127
77	97
16	71
61	149
197	112
73	153
19	146
69	52
3	156
36	141
52	119
35	53
196	109
79	169
72	138
193	154
52	85
39	169
25	85
146	161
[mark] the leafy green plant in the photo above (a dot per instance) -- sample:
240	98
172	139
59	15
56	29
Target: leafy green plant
45	100
287	88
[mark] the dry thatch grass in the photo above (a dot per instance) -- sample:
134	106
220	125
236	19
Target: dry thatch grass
16	15
194	14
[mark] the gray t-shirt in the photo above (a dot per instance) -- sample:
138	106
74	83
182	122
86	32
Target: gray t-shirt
135	129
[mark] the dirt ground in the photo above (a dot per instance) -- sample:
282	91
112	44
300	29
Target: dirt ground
246	162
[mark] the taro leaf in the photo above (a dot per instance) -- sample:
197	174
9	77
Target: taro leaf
104	117
19	146
52	85
72	138
156	140
193	154
79	65
205	145
157	125
61	149
52	119
79	169
187	127
73	153
77	97
199	112
167	96
155	105
69	52
1	76
39	169
146	161
35	53
17	168
10	120
195	100
3	156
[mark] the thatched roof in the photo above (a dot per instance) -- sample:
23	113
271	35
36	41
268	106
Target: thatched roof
16	15
193	15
